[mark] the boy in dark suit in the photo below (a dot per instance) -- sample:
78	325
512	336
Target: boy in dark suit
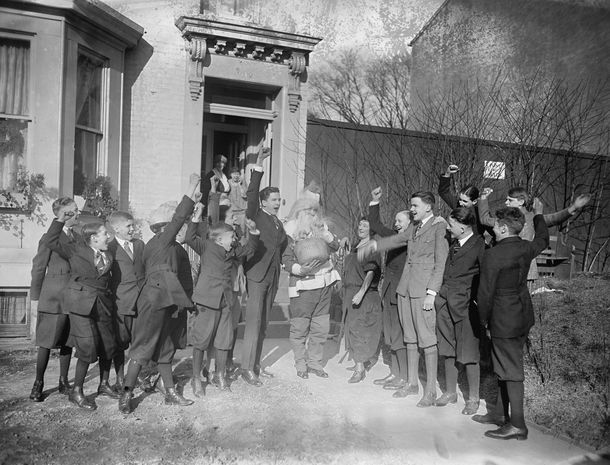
212	324
392	329
160	326
505	310
90	302
50	276
126	280
457	323
262	270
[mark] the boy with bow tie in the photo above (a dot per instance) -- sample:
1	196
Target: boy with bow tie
89	299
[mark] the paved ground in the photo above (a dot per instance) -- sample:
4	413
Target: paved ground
361	423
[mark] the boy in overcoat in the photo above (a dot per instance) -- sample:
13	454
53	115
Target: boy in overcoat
457	322
90	302
212	321
392	328
160	327
126	280
421	279
262	269
50	276
506	311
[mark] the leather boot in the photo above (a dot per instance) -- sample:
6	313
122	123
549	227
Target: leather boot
36	394
64	386
173	398
125	401
222	383
77	397
104	389
159	385
197	386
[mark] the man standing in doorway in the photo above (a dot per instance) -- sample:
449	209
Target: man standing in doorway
262	270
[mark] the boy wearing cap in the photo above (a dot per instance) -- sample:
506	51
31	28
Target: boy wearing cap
161	302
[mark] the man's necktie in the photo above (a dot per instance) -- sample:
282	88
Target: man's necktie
417	229
99	262
276	221
456	247
128	249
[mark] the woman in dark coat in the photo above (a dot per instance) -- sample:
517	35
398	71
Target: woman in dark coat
362	303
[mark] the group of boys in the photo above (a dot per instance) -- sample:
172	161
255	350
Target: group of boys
103	292
448	290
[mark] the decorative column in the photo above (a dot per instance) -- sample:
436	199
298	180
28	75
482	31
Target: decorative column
197	49
296	66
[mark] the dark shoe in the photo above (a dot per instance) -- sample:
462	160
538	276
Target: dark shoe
428	400
508	431
318	372
490	419
233	373
408	390
173	398
77	397
104	389
159	385
446	398
125	401
250	377
357	377
64	386
383	381
36	393
302	374
397	383
198	389
472	406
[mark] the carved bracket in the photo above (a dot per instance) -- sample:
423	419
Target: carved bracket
296	66
197	49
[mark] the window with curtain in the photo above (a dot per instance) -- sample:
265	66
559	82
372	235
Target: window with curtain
14	111
89	124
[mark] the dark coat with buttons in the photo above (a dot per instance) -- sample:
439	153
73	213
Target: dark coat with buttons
127	276
461	277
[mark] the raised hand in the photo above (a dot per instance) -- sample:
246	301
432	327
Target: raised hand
451	169
376	194
537	206
194	179
486	192
65	213
198	212
197	196
581	201
263	154
250	225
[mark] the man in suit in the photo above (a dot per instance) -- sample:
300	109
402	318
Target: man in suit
457	322
50	275
506	311
392	328
421	279
262	270
90	302
126	281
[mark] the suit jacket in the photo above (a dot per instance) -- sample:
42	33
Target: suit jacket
504	301
163	260
395	259
127	276
50	276
268	256
461	276
86	286
426	256
216	272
